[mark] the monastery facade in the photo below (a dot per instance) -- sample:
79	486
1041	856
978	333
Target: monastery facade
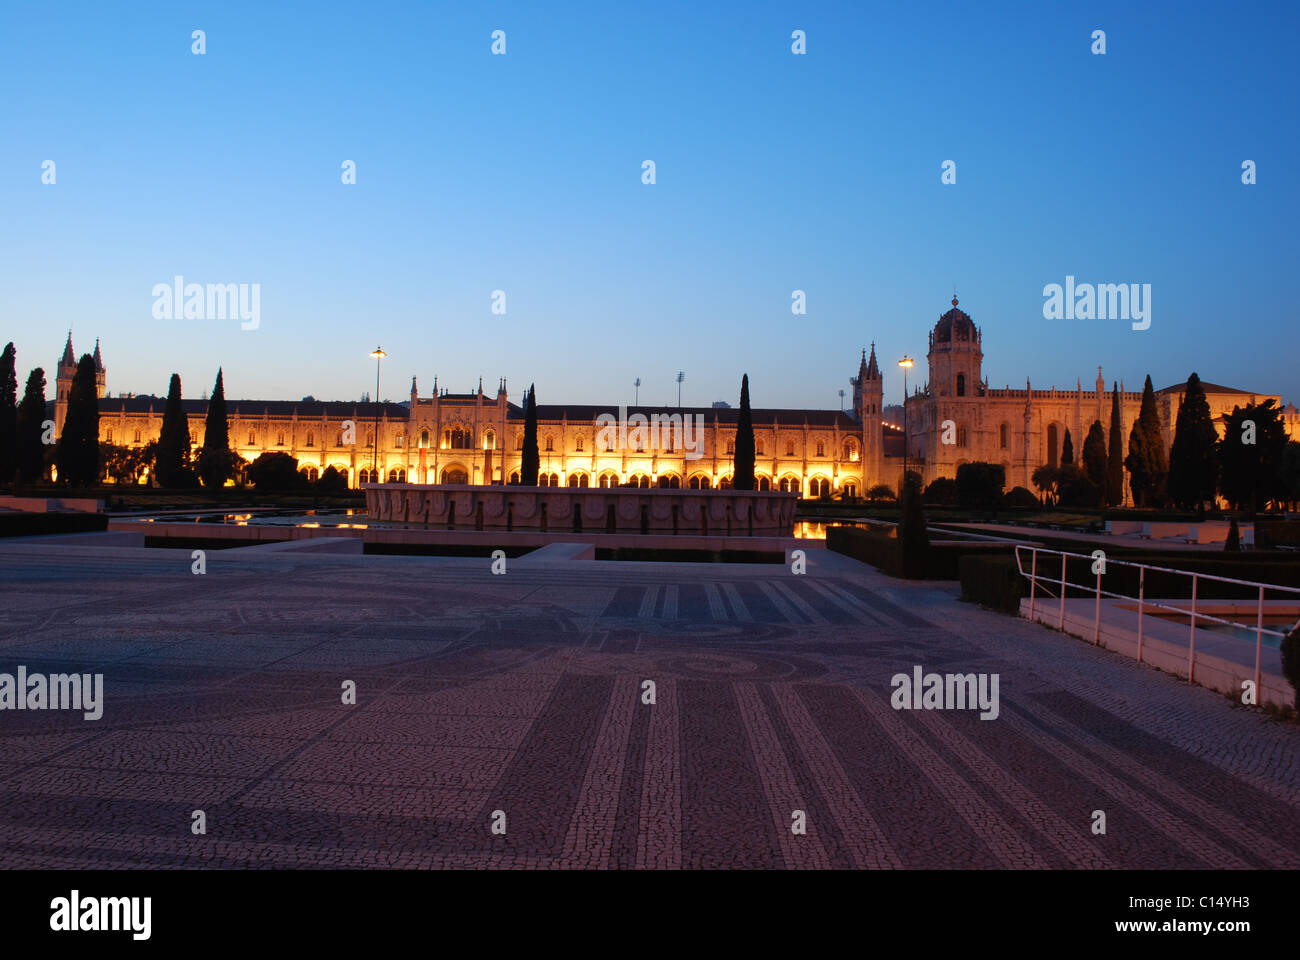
477	437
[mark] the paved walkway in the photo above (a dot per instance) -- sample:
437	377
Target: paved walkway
522	693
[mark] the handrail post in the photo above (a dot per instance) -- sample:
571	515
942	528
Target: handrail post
1033	582
1259	644
1096	627
1142	586
1191	637
1061	625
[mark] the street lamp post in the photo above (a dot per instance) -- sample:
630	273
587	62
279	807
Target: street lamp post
906	363
378	355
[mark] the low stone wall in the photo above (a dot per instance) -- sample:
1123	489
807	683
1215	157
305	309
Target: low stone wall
678	512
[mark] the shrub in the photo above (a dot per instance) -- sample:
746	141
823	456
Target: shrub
331	481
1020	497
980	484
942	491
276	472
881	491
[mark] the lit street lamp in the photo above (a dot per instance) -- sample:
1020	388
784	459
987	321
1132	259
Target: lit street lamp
906	363
378	355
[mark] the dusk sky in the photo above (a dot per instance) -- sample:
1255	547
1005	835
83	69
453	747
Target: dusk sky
523	173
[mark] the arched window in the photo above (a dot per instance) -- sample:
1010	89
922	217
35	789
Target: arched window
514	479
279	439
821	449
850	450
398	441
961	384
550	444
604	481
820	487
519	441
424	439
311	439
489	441
397	475
108	435
579	444
310	473
137	437
758	447
1002	436
252	438
849	490
764	483
724	483
789	448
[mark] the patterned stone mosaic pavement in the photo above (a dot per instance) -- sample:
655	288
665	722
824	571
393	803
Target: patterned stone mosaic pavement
523	694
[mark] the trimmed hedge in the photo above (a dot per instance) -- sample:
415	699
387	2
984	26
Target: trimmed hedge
992	582
42	524
884	552
996	581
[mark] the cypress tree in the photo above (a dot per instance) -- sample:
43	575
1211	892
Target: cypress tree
1250	456
172	451
77	453
8	415
1146	455
914	541
1067	450
1115	460
31	419
1094	456
216	461
1193	460
532	459
743	464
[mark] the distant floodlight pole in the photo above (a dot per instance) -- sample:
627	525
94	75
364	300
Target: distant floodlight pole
906	363
637	383
680	377
379	355
841	399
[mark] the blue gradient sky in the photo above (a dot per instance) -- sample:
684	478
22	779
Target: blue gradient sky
775	172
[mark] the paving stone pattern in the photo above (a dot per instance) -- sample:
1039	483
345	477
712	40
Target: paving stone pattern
522	693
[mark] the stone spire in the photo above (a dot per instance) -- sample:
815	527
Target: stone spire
69	359
872	371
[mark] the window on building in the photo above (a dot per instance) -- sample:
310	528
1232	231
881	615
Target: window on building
279	439
758	447
731	446
519	441
821	449
108	435
961	436
193	439
789	448
424	439
370	439
252	438
764	483
550	444
961	384
490	441
311	439
137	437
1002	436
578	443
338	439
398	441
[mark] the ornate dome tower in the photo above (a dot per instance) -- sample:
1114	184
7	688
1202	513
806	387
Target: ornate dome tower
955	356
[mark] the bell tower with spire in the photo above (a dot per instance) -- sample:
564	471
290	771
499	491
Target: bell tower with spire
868	407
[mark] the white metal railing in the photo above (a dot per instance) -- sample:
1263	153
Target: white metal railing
1063	582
